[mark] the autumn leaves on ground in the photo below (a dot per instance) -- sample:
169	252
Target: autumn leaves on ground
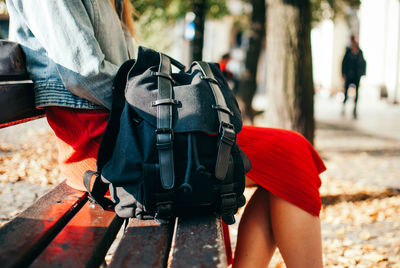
361	203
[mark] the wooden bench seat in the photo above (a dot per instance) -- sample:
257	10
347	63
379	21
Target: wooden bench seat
63	229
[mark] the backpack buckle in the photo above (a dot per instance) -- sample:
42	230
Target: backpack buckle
164	130
227	132
222	108
164	141
228	203
209	79
226	141
164	210
164	145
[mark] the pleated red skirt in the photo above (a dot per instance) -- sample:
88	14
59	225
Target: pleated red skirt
283	162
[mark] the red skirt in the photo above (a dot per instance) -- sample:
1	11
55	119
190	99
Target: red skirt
283	162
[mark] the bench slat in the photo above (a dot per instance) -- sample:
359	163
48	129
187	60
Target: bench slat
199	243
144	244
84	241
24	237
17	103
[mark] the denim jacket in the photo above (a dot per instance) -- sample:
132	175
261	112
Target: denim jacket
73	49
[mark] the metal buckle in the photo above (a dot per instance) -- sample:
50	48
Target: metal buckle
222	109
164	210
227	132
162	142
164	75
209	79
164	130
91	199
227	125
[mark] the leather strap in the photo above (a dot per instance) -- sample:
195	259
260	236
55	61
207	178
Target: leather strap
113	125
99	187
226	129
98	190
164	132
229	200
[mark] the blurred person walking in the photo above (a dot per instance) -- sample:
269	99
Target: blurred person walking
353	68
225	64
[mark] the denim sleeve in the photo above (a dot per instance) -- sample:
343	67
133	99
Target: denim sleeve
65	30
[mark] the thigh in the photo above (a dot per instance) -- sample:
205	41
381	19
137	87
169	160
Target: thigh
250	182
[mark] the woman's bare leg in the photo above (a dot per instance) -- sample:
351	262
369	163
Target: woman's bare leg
297	234
255	243
269	221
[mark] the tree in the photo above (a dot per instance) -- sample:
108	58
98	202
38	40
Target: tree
202	9
199	9
248	82
329	9
154	16
289	72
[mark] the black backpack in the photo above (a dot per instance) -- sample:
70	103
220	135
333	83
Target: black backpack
169	148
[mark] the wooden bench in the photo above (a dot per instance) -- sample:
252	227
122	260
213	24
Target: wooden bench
63	229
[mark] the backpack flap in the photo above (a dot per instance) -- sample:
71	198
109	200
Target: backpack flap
193	95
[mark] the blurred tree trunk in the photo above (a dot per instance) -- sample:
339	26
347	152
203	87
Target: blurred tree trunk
289	73
248	84
199	9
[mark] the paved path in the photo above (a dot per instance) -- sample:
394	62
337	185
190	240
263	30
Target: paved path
366	150
361	227
357	156
375	116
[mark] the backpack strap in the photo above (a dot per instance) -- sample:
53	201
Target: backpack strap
226	129
109	138
99	188
97	191
164	131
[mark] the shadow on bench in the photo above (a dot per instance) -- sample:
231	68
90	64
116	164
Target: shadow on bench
63	229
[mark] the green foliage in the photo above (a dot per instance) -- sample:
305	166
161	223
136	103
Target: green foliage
172	9
156	18
215	8
153	18
328	9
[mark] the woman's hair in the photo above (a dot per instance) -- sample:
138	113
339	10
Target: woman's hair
126	14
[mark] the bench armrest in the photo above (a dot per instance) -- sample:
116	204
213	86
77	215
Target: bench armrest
17	103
